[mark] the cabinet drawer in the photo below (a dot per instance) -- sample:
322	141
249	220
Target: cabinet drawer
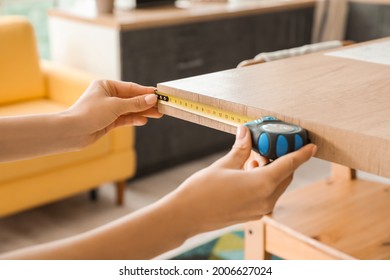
152	39
190	63
227	31
176	38
227	56
367	21
283	30
149	68
187	37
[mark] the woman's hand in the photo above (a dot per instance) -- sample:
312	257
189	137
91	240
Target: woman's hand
107	104
217	196
224	193
102	107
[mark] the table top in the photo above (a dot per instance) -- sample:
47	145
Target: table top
344	103
386	2
182	12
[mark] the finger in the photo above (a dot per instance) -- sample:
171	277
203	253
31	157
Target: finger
252	164
284	166
150	113
240	151
135	104
131	120
127	89
261	161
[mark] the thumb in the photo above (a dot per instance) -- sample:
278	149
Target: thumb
135	104
240	151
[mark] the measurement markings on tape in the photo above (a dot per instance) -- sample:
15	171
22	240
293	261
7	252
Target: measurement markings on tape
271	138
202	110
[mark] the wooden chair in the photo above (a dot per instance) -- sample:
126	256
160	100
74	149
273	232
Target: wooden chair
337	218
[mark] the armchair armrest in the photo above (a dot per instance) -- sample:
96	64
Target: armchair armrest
63	84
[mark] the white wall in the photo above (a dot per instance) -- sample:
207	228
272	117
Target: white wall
85	46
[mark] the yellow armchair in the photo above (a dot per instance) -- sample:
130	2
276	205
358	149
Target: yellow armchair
29	86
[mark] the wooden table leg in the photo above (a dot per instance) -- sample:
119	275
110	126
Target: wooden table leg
255	241
120	192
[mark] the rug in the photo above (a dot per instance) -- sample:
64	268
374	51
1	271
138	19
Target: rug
229	246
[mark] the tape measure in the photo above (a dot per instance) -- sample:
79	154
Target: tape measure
271	138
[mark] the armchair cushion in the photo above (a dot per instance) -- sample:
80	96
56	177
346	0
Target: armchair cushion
14	170
64	84
28	86
20	74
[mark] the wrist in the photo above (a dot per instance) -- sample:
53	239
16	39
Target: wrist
72	130
29	136
174	210
183	213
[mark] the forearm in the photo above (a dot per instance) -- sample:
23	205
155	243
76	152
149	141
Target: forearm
141	235
24	137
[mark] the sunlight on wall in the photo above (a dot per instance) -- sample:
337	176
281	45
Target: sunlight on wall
36	12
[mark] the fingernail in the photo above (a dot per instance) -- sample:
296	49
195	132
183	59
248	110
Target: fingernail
314	151
150	99
241	131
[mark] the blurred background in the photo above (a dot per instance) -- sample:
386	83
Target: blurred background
158	157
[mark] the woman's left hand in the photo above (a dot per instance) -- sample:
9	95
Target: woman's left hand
107	104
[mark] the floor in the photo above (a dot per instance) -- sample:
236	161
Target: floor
77	214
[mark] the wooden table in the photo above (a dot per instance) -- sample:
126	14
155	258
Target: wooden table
345	105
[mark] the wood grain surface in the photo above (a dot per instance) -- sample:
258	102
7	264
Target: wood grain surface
331	219
343	103
385	2
183	12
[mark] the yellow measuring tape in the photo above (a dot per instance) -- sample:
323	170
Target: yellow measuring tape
203	110
271	137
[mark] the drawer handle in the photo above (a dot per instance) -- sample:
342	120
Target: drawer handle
190	64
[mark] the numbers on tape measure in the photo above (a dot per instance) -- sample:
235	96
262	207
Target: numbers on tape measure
202	109
271	137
